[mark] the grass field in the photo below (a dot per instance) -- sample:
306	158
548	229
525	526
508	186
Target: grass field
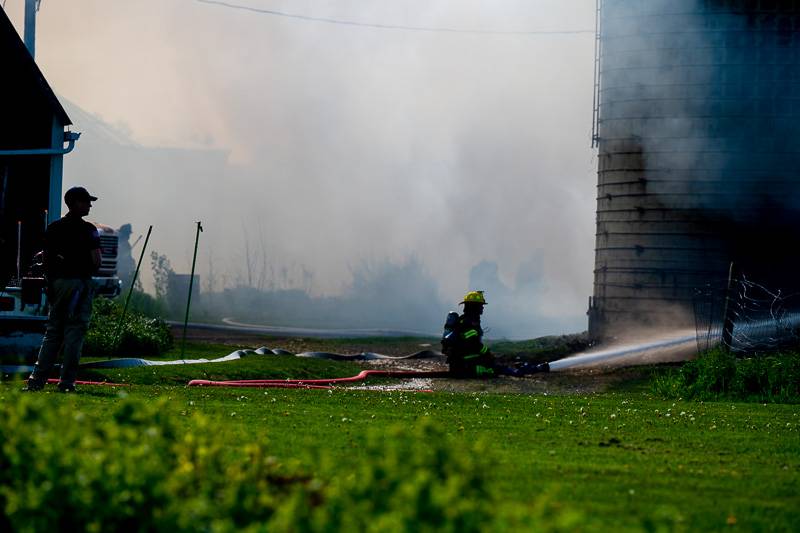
621	460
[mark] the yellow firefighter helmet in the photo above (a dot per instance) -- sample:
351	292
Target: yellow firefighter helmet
474	297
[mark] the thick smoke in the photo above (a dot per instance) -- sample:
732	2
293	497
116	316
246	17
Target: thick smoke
712	109
310	149
698	156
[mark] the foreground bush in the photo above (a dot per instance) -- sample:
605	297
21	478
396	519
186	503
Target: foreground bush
720	374
140	335
143	469
425	482
138	470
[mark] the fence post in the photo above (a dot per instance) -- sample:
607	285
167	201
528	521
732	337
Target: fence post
133	282
191	286
728	313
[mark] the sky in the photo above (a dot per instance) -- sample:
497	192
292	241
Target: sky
342	144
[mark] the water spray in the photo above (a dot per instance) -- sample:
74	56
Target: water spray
678	345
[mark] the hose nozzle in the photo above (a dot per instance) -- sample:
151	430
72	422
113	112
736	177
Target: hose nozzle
542	367
530	368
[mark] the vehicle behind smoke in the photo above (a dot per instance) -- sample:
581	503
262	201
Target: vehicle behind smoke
23	300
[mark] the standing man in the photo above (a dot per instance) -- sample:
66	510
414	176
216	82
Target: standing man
72	256
466	354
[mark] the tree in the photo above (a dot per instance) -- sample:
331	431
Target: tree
162	270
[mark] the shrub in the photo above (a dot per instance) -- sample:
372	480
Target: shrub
140	336
403	482
419	479
136	470
146	305
142	468
718	373
772	378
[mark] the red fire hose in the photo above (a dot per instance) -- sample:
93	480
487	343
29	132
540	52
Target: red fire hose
105	383
316	383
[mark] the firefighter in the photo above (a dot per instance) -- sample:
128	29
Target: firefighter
462	343
463	340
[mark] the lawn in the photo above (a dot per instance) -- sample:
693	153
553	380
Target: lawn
622	460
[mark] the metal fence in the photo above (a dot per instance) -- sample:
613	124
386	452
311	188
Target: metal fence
746	317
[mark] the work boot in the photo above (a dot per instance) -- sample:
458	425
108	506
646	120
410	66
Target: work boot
66	387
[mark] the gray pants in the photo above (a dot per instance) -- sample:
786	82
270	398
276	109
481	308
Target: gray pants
70	311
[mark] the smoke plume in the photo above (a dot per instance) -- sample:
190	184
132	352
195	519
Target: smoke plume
312	148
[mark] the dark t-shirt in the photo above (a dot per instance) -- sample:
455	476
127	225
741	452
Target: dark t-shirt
69	242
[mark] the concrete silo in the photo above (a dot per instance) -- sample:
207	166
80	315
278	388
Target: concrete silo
699	154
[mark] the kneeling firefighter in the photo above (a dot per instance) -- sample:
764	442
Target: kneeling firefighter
462	343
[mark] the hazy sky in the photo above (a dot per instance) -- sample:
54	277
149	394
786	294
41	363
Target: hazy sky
348	143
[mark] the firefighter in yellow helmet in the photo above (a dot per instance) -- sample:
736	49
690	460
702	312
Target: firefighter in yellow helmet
462	341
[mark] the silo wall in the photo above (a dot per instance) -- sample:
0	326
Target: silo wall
699	154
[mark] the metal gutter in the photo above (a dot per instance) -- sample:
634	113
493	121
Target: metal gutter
70	137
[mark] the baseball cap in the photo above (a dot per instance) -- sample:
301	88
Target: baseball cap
78	193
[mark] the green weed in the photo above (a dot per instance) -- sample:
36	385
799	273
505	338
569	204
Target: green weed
719	374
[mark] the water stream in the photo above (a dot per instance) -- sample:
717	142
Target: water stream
671	346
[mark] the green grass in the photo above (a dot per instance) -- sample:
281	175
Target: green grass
194	350
624	460
252	367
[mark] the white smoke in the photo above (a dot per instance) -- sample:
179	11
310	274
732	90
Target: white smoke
320	146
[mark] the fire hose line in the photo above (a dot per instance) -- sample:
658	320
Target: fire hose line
99	383
129	362
317	383
262	383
